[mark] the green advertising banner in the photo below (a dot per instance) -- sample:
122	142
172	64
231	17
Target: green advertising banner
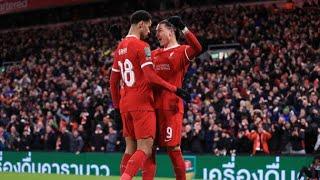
250	168
206	167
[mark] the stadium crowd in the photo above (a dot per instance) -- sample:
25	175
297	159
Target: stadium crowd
263	99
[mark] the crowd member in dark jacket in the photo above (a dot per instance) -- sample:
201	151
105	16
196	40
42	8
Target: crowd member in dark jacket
98	142
313	171
14	139
26	140
38	137
317	144
209	136
76	142
50	139
197	139
296	139
112	140
65	137
3	139
225	144
275	141
285	138
186	137
242	143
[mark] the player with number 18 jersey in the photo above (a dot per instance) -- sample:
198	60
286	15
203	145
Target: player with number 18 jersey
133	64
137	101
130	57
129	63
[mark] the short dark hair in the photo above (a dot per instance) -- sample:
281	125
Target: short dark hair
140	15
169	25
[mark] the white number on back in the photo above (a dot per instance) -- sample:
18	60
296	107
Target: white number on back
127	73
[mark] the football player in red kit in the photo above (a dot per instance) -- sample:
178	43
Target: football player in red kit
171	63
133	64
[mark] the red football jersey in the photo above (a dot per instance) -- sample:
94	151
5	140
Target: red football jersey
131	55
171	65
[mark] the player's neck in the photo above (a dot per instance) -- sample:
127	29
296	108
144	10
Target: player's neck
133	32
171	44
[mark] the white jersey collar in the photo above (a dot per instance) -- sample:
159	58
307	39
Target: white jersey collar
131	35
171	47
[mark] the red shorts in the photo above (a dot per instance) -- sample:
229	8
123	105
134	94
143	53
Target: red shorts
139	124
169	124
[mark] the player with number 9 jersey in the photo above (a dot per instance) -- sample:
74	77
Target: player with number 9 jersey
171	63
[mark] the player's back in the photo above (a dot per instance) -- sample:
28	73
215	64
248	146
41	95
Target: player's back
131	56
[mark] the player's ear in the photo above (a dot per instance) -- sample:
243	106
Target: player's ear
140	24
157	27
171	33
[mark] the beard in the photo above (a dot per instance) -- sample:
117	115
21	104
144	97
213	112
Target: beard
144	36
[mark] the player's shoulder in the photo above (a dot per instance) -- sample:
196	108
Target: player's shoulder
182	50
144	44
156	51
182	47
136	42
175	49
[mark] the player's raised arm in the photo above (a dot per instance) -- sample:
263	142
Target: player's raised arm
195	47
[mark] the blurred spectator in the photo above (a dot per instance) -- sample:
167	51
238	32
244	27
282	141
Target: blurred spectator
4	120
65	139
225	145
76	142
112	140
3	139
285	138
197	139
242	143
50	139
38	136
26	140
14	139
106	123
317	145
260	138
186	138
296	139
85	138
98	140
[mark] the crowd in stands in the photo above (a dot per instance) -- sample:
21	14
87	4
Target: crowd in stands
97	9
263	99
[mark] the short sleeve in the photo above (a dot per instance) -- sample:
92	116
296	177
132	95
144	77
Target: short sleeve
144	55
115	66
